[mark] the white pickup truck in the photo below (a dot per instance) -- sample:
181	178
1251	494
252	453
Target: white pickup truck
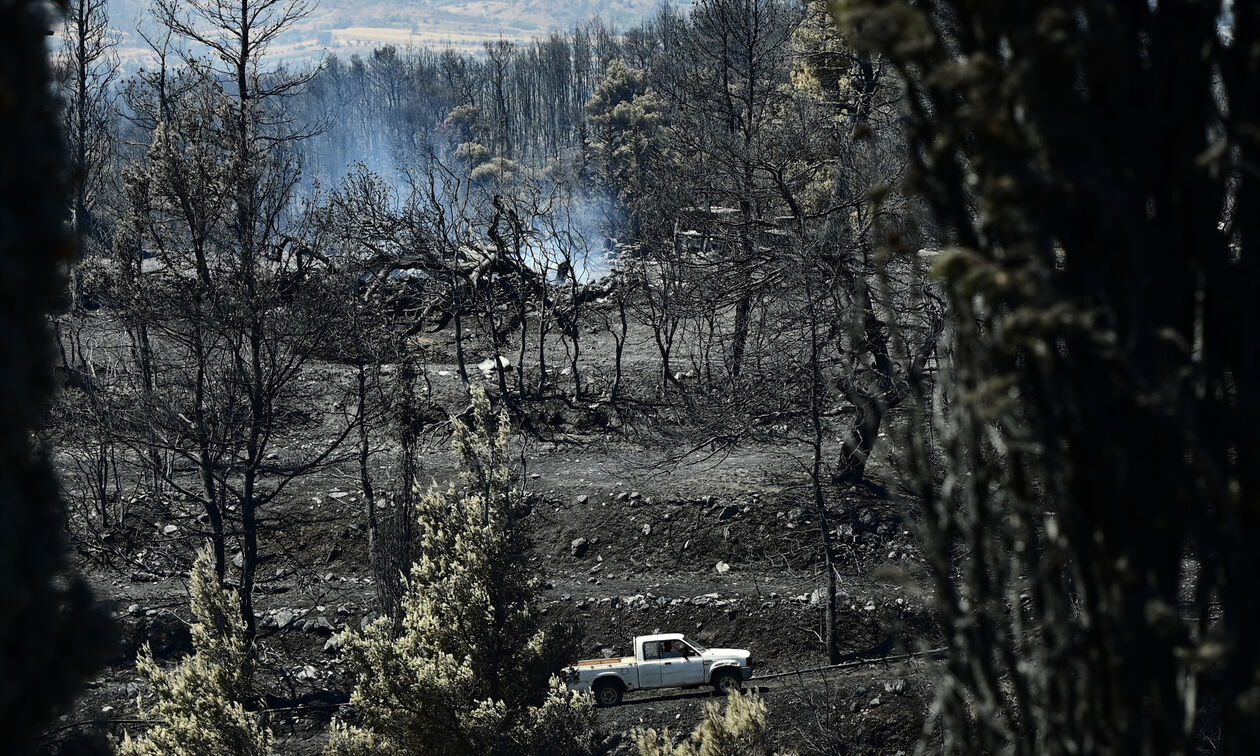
660	661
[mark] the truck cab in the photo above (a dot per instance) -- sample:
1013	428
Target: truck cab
668	660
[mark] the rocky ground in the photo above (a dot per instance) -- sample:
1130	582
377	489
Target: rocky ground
630	536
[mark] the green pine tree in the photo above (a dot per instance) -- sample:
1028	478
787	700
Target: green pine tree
469	671
198	707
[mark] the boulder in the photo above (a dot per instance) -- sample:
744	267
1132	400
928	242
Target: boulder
578	547
489	365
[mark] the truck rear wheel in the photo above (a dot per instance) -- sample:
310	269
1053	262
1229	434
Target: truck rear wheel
726	683
607	693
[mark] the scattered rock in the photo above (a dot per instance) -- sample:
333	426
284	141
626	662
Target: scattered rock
583	499
578	547
135	609
170	530
307	673
722	568
334	643
338	494
284	618
647	529
490	364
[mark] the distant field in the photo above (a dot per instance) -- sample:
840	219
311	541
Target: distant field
370	37
346	27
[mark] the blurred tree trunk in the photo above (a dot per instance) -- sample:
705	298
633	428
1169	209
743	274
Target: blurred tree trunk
1094	165
51	634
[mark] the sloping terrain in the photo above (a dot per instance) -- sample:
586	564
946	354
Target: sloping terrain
629	534
358	26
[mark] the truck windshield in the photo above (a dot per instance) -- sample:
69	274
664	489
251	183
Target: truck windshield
699	649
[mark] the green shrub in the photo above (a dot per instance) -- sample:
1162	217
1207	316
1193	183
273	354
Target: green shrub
198	707
469	670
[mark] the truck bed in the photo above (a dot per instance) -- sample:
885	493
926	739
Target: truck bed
596	662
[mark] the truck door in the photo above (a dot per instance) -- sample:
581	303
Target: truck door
681	665
651	665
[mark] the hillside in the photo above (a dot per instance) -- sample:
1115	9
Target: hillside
349	26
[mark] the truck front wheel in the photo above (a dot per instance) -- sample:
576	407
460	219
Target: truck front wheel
607	693
726	683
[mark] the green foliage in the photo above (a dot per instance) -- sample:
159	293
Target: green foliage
624	116
469	670
497	171
198	707
739	730
824	59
